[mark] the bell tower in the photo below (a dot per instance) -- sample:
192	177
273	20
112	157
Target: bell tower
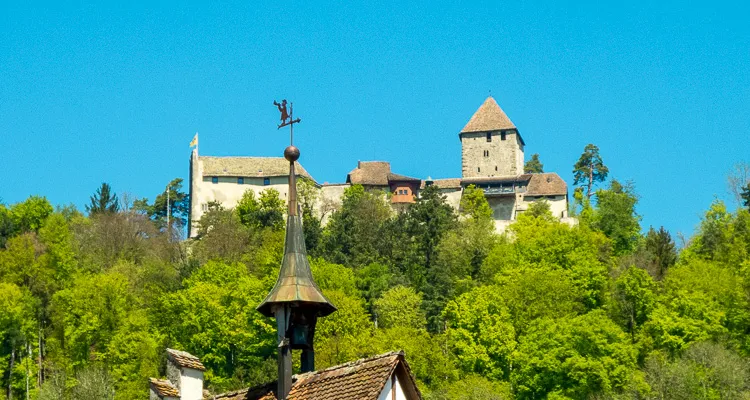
490	144
295	301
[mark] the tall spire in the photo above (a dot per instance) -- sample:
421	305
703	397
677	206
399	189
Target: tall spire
295	301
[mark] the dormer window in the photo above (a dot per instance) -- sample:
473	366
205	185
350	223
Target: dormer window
266	181
240	181
215	179
489	136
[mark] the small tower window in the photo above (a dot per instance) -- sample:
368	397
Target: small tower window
495	167
486	153
215	179
489	136
502	135
240	181
479	170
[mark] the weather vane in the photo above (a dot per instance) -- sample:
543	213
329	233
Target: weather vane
287	118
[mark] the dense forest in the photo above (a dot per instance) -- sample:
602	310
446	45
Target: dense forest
601	310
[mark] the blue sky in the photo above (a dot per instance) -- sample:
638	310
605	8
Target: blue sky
93	93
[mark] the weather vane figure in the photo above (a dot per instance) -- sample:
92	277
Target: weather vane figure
286	117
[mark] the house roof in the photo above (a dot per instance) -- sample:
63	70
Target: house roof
375	173
185	359
164	388
489	117
449	183
370	173
546	184
261	167
358	380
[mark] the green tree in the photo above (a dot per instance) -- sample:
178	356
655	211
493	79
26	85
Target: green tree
531	293
426	222
214	316
309	198
589	169
533	166
222	235
575	357
616	217
662	249
472	387
265	212
479	333
705	370
17	329
745	194
30	214
103	201
634	299
400	306
540	209
356	234
701	300
178	207
7	226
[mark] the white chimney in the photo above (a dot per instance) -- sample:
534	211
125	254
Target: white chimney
185	371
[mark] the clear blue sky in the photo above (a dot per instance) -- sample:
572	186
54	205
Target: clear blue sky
93	93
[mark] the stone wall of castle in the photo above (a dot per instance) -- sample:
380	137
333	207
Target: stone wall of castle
497	157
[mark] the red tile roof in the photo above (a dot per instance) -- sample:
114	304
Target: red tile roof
359	380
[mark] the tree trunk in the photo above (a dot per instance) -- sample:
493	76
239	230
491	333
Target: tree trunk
591	181
10	371
28	350
39	377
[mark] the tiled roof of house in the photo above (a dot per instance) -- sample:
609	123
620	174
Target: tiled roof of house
370	173
184	359
359	380
489	117
449	183
546	184
261	167
164	388
375	173
402	178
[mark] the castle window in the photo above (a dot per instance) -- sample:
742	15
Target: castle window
489	136
240	181
486	153
204	207
215	179
266	181
479	170
502	135
495	167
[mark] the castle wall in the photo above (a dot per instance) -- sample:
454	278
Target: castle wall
558	204
497	157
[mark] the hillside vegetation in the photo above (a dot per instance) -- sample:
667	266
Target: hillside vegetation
545	311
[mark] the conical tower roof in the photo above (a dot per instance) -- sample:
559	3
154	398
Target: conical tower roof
489	117
295	285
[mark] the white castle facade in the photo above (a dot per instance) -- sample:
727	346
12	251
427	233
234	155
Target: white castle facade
492	159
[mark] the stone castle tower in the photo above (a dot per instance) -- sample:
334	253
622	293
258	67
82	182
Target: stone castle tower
490	144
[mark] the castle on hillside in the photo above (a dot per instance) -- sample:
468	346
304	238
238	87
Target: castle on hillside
492	159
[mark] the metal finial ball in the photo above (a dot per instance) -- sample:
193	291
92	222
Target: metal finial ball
291	153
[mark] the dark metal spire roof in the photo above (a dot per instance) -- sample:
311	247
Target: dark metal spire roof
295	284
